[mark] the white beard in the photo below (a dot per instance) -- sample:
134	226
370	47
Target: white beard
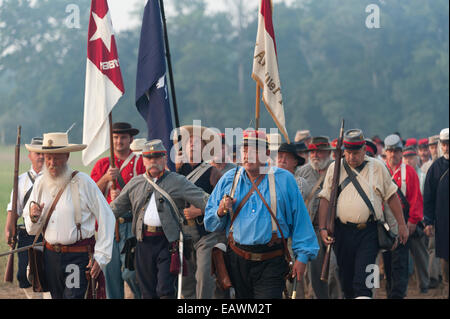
321	165
56	183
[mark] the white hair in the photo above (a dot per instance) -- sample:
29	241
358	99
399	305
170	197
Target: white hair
55	183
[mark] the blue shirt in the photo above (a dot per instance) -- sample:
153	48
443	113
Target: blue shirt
253	226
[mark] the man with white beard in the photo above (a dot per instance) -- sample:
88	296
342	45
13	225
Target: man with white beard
314	172
64	206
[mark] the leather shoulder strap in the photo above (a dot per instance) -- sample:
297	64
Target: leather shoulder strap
443	175
179	219
274	220
52	208
76	205
198	172
354	181
244	200
273	199
315	187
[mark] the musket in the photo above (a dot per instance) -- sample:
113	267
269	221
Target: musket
294	289
333	204
18	250
9	272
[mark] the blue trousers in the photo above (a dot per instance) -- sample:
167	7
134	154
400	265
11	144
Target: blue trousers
115	271
355	250
153	268
23	240
66	274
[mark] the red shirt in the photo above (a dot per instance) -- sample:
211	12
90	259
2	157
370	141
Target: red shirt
102	166
413	194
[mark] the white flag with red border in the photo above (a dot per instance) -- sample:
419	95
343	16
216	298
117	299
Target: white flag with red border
265	66
104	84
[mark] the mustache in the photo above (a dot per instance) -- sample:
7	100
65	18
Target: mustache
160	167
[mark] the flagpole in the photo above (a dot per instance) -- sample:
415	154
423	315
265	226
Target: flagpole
169	64
258	105
111	145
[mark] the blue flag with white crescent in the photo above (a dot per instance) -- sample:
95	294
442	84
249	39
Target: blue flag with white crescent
152	94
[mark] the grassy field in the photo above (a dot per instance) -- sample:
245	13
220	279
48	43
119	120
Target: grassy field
6	183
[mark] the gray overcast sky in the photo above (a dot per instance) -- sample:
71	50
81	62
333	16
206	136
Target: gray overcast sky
120	10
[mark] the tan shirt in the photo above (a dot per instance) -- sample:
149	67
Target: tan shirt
350	205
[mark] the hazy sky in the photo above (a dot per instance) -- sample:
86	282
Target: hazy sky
120	10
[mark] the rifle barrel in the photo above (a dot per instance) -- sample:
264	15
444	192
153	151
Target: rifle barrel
9	271
18	250
333	203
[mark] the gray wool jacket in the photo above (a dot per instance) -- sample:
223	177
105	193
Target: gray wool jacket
136	195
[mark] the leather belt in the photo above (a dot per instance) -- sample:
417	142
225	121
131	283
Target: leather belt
67	249
256	256
359	226
153	229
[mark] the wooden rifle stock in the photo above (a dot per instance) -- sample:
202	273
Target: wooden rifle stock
9	271
333	203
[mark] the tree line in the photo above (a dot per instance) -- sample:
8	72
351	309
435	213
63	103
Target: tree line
394	78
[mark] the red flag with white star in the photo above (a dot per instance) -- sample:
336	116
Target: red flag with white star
104	84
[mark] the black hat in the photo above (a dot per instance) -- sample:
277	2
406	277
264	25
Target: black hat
300	147
123	128
371	147
320	143
290	148
409	151
354	139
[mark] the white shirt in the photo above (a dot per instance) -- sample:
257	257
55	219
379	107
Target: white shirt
151	217
61	228
24	185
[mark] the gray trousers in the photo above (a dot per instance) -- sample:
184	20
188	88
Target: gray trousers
324	290
199	283
418	247
434	267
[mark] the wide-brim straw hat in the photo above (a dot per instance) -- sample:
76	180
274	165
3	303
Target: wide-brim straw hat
55	143
138	145
207	135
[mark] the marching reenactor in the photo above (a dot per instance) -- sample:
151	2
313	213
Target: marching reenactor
396	262
200	284
288	159
256	255
418	241
156	223
314	172
355	234
436	203
26	182
111	180
64	207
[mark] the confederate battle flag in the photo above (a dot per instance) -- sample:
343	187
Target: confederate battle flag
265	66
104	85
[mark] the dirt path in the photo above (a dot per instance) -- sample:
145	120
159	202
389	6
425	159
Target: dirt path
11	291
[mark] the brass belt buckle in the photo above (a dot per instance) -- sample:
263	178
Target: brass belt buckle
361	226
121	220
151	229
57	248
256	257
